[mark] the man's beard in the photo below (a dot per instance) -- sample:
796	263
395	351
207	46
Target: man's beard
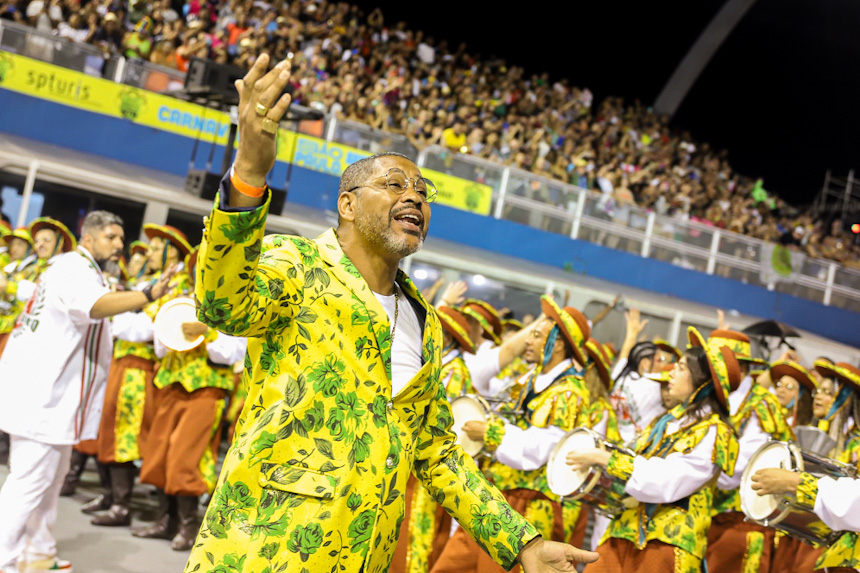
378	233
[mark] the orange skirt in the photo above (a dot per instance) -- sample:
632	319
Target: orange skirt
737	545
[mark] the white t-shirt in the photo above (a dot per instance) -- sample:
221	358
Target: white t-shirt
406	358
54	369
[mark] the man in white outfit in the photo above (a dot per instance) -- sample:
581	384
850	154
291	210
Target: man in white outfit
51	400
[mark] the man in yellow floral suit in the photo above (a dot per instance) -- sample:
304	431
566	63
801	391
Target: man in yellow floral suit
335	420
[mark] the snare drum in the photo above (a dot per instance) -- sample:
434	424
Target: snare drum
781	512
468	409
593	485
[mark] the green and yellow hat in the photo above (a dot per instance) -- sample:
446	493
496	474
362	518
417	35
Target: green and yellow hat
661	377
138	247
602	359
572	323
454	322
842	371
511	324
487	317
665	346
176	237
724	366
22	233
69	242
738	342
782	368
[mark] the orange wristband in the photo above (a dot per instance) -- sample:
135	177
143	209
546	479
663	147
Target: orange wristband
244	188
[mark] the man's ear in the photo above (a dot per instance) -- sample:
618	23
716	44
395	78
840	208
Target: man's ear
346	203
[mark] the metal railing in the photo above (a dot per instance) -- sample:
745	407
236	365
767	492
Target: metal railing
518	195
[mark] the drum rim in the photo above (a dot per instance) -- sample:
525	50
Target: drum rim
590	481
487	412
178	301
783	506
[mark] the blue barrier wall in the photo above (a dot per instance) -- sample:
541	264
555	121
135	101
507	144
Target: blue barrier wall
126	141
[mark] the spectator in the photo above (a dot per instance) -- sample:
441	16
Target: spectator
454	137
44	15
137	44
109	36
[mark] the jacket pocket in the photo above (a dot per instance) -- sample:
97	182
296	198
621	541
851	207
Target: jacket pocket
294	479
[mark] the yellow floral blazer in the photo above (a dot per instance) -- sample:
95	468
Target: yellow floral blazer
314	480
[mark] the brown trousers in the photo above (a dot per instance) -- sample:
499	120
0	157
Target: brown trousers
620	555
737	545
791	555
442	532
108	432
463	555
185	425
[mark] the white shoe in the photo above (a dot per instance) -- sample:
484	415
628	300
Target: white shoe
45	566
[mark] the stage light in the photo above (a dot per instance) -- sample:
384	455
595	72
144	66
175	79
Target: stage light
421	274
855	228
479	280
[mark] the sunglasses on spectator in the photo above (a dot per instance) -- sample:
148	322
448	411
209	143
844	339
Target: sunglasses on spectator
397	182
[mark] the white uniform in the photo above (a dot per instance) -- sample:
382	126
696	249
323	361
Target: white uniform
483	368
752	438
52	383
636	401
838	503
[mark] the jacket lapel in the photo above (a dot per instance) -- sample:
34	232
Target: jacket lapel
365	307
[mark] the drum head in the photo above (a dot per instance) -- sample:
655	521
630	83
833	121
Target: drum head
771	455
168	324
562	480
467	409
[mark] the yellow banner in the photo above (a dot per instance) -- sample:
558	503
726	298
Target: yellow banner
78	90
333	158
68	87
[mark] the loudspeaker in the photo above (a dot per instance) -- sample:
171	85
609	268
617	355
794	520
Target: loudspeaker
204	184
214	81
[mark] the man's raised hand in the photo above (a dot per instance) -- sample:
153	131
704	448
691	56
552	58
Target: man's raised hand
261	107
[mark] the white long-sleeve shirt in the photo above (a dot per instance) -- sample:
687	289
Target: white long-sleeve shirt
530	449
678	475
636	401
752	438
838	503
132	327
483	367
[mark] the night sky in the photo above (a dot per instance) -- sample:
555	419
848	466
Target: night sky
780	94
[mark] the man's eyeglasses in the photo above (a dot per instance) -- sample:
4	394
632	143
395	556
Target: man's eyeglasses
397	182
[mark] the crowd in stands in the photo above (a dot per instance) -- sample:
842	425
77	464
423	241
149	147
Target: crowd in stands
402	81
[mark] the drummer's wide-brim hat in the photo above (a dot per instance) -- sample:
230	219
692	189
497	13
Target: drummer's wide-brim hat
782	368
486	315
175	236
841	371
572	323
602	360
738	342
454	322
69	242
22	233
138	247
511	324
724	366
665	346
661	377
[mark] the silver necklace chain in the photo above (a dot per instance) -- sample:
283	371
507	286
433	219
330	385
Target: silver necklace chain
396	309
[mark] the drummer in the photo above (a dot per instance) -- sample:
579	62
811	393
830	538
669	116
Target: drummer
554	401
138	262
132	372
601	419
666	357
835	501
672	473
426	527
22	268
180	452
832	405
734	543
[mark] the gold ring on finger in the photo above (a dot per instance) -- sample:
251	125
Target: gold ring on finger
261	109
270	126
